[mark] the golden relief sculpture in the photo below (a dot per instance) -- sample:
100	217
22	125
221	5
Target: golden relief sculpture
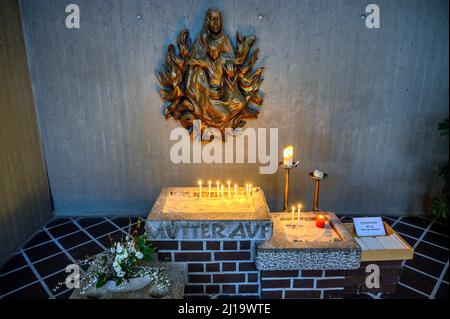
210	80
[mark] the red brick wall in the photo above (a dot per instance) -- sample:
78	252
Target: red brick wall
328	283
300	284
228	268
214	267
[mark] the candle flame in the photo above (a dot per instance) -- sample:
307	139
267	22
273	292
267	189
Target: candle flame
288	152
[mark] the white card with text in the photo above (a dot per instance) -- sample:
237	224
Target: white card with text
369	226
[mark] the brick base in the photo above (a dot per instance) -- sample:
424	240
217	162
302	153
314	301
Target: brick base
328	283
214	267
228	268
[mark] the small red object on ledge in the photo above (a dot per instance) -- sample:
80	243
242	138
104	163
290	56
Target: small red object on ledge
320	221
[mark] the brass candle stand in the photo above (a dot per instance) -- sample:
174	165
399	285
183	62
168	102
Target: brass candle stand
316	189
287	169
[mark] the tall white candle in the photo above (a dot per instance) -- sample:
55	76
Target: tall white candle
235	190
200	186
298	213
246	190
288	154
222	191
209	189
218	188
292	216
229	189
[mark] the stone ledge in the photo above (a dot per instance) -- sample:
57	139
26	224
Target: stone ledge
282	253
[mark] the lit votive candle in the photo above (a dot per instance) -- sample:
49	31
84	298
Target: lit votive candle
288	154
218	188
320	221
209	189
298	213
229	189
292	216
200	188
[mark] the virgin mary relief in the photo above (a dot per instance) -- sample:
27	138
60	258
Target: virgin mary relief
210	80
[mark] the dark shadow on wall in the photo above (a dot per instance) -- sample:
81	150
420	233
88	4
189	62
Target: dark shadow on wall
24	194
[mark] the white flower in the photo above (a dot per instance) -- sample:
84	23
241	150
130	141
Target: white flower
113	250
125	254
119	248
120	274
131	247
116	266
139	255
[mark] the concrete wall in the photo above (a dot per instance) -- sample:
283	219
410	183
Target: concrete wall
361	104
24	193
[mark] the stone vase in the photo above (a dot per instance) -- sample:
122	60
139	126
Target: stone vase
131	284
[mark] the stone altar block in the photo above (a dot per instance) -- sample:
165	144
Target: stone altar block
304	246
182	213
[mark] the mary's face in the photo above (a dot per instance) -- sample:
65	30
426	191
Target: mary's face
214	22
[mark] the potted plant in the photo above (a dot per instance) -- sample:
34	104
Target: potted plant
440	203
126	266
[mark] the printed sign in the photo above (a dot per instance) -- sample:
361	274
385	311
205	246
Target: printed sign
369	226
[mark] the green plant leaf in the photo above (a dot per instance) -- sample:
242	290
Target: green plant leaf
148	250
443	127
101	282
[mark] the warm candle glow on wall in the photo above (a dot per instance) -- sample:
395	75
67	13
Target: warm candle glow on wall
288	155
200	188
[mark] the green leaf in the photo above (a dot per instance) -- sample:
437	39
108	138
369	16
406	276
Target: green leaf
443	127
147	257
119	281
148	250
101	282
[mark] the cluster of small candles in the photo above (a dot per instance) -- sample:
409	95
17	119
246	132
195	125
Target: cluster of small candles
288	154
220	190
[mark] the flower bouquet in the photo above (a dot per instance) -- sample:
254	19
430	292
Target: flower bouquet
124	267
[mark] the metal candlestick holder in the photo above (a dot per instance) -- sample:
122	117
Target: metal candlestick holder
287	169
316	189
